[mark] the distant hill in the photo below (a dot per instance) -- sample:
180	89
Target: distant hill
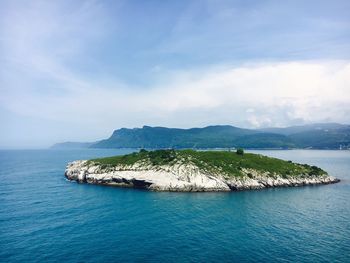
315	136
208	137
72	145
306	128
323	138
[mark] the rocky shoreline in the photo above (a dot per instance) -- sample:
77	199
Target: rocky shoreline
184	177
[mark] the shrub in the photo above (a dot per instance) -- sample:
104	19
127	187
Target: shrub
160	157
240	151
315	170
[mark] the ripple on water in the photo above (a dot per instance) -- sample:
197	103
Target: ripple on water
43	217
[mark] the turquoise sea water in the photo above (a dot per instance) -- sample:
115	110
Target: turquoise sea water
44	218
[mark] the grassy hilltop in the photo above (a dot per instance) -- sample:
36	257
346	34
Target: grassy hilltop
223	162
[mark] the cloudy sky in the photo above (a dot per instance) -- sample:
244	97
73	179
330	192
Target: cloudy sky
77	70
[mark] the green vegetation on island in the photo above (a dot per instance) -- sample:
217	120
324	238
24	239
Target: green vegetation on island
228	163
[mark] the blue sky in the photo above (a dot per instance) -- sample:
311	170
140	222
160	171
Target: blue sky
77	70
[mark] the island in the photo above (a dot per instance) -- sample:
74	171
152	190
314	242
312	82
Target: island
195	171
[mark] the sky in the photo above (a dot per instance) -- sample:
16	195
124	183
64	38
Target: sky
77	70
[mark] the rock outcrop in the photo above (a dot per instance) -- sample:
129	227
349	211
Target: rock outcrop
183	177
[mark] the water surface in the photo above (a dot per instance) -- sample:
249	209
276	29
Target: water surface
44	218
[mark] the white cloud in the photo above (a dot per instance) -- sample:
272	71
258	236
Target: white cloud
39	82
279	93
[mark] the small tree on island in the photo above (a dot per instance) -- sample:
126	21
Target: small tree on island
240	151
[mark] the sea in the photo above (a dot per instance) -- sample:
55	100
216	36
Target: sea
45	218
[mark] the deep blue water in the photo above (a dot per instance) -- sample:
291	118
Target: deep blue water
44	218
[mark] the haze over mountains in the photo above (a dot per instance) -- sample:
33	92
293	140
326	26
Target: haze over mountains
314	136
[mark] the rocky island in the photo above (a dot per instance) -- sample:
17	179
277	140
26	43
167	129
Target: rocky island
189	170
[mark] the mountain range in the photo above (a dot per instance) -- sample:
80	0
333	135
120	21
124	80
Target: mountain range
313	136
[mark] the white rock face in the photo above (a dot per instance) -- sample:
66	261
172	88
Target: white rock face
182	177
